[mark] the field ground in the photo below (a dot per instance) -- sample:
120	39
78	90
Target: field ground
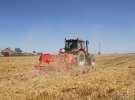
113	78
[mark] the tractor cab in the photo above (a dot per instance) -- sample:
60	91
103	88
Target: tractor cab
75	45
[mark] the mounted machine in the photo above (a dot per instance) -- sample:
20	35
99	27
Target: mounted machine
75	52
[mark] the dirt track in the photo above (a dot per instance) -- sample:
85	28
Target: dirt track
113	78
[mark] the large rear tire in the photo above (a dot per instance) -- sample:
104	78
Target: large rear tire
81	58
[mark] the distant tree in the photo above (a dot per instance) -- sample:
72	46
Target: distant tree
18	50
7	52
39	53
33	51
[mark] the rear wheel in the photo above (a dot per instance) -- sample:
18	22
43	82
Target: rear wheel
81	58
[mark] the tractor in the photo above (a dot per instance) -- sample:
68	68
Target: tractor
79	48
76	51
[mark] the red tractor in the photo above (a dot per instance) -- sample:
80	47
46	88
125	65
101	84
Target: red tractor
75	51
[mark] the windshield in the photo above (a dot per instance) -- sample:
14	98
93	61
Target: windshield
71	45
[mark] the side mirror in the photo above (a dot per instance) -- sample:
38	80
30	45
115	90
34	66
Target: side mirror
87	42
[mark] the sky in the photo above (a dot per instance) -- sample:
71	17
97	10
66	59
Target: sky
42	25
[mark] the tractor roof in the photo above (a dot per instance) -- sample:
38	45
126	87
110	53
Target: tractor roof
76	39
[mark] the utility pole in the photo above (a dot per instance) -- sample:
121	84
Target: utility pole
99	48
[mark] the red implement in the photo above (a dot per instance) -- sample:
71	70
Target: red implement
47	58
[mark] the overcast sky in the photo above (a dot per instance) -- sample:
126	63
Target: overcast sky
42	25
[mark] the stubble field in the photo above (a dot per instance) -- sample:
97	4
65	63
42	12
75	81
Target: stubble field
112	78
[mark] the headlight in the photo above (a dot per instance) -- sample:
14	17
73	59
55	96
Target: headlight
62	50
